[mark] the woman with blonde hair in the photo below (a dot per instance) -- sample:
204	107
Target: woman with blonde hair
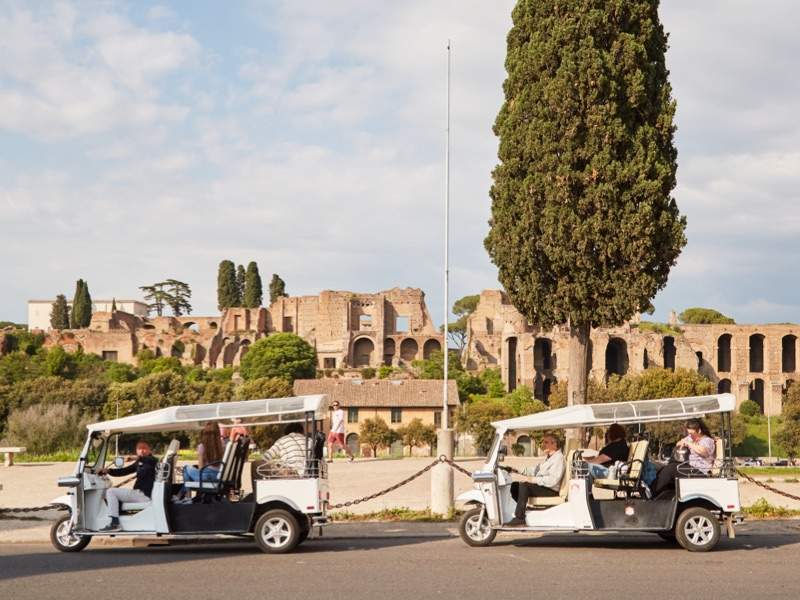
209	455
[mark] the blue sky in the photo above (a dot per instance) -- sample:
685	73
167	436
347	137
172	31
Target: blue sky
141	141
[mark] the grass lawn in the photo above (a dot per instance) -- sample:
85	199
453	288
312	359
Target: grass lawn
755	441
772	471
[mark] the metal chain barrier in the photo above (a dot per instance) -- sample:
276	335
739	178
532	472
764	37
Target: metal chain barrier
12	513
441	459
767	487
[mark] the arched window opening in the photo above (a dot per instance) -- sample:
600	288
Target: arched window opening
669	352
756	393
430	346
757	353
388	351
362	352
512	364
789	353
409	349
542	354
724	386
724	353
616	357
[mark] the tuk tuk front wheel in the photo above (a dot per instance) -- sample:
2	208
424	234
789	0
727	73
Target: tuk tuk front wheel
64	540
277	532
697	529
474	530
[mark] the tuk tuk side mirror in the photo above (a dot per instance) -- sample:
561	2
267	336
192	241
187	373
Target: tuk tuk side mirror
119	462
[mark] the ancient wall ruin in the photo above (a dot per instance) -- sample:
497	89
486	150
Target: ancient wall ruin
755	362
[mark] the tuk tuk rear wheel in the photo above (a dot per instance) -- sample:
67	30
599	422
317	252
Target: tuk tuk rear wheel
473	531
277	531
697	529
64	540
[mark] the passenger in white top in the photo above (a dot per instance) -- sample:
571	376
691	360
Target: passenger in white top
336	434
546	478
289	451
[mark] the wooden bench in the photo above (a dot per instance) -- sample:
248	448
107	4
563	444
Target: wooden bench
10	452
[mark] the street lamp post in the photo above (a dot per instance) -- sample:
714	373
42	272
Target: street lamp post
442	474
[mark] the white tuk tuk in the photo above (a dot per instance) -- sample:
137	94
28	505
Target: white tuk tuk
692	514
285	504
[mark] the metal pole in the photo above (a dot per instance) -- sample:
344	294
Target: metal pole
116	439
769	438
445	407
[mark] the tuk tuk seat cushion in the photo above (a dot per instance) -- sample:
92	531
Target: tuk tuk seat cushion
636	457
719	456
134	506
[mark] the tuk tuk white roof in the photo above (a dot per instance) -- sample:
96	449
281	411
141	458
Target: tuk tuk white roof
640	411
269	411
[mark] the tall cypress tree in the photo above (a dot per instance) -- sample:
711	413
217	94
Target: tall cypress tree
81	314
59	316
226	285
240	283
584	228
253	290
277	288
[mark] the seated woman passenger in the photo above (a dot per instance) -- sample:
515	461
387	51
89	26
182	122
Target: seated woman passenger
209	451
616	449
702	452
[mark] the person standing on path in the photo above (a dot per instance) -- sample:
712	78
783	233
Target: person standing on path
336	434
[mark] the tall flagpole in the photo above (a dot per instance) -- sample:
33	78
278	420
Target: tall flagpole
445	407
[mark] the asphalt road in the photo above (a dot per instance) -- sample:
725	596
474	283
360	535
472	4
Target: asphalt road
418	561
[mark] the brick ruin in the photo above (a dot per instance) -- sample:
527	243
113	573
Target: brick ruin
348	330
758	362
393	327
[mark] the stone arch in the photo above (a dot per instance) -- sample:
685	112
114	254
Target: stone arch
512	363
191	326
724	353
669	352
409	349
362	352
177	349
244	348
756	345
431	345
756	393
353	444
542	354
724	386
616	357
525	442
389	349
789	353
213	325
148	326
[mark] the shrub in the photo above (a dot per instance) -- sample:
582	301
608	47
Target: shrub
284	355
477	415
59	363
48	428
417	433
218	391
493	382
264	387
154	391
704	316
385	371
749	408
517	449
367	373
119	373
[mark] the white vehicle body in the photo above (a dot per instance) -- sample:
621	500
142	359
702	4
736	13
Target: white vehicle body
713	498
294	498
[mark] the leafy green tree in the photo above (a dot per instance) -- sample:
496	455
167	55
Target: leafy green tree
584	229
704	316
433	367
81	314
462	308
241	278
18	366
253	291
178	296
284	355
47	428
59	315
264	387
25	341
227	295
277	288
376	434
218	391
119	373
151	392
416	434
476	417
60	363
789	434
493	382
156	297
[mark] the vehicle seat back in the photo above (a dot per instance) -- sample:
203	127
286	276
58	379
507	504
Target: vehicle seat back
629	481
719	457
570	447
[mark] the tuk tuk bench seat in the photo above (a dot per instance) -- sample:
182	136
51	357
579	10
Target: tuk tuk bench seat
133	506
570	449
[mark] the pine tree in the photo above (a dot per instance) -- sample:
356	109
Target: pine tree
178	296
584	229
240	283
253	290
277	288
226	285
59	316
